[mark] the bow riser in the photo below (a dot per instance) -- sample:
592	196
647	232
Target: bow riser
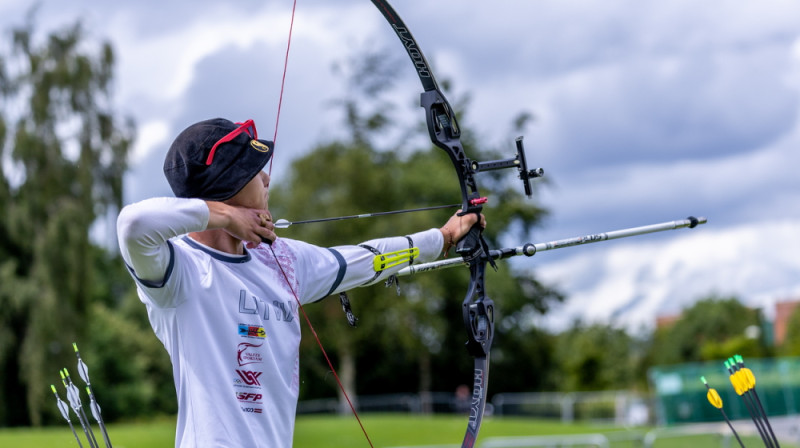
445	133
478	312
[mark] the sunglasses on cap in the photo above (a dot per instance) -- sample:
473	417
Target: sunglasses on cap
248	127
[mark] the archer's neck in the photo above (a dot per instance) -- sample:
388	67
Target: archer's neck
220	240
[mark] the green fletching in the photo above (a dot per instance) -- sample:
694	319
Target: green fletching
53	388
703	379
61	372
75	346
739	359
727	365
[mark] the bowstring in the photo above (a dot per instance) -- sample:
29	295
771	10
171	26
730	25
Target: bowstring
319	343
283	83
277	261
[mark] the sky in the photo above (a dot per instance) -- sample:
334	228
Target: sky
645	112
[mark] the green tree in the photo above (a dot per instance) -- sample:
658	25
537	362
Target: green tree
595	357
63	155
791	343
713	328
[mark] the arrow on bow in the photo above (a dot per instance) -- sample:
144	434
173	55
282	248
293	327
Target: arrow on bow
284	223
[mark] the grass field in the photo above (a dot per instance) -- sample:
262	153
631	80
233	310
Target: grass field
384	430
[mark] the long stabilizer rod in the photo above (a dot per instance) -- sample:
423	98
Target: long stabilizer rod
530	249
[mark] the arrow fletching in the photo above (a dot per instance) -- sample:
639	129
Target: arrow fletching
73	394
737	385
749	378
93	405
712	394
83	370
62	407
714	398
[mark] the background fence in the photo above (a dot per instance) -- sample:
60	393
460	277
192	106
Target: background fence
618	407
678	396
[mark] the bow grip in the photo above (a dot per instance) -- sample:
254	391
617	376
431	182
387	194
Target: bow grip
471	242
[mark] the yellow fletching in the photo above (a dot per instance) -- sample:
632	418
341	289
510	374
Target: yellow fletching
390	259
742	379
714	398
737	384
750	378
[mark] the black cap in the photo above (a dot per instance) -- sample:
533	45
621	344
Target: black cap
193	174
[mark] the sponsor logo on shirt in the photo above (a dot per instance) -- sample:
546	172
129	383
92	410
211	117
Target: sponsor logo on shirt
252	410
246	353
249	304
249	397
252	331
249	377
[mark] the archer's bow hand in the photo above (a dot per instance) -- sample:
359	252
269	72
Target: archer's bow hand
457	227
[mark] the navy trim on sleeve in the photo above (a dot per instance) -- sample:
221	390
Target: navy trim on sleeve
340	274
219	256
153	283
377	253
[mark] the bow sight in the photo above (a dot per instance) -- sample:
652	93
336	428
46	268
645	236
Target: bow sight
519	161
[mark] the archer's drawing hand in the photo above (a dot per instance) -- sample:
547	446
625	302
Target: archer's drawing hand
458	226
252	226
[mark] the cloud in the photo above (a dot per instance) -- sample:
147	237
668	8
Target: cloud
644	113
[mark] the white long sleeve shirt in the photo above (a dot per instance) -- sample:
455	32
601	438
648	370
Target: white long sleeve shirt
230	322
